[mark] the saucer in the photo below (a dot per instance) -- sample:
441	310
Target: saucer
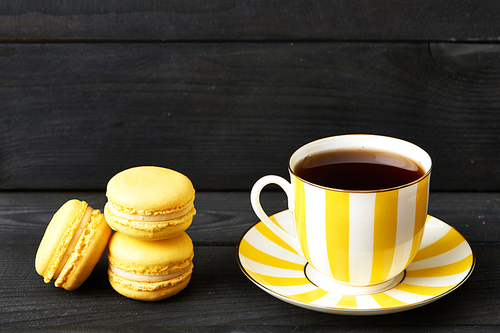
443	262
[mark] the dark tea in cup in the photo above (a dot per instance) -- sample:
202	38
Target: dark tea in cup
358	169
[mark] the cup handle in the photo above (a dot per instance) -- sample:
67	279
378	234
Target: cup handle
261	214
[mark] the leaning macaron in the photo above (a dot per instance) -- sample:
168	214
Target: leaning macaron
150	202
149	270
73	243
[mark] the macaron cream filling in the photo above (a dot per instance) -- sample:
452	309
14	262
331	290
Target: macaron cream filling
147	278
151	218
83	223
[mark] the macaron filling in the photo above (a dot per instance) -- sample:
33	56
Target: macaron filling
150	218
83	223
147	278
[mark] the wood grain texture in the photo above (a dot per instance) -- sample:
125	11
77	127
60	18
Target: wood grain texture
218	294
220	298
223	217
224	91
225	114
388	20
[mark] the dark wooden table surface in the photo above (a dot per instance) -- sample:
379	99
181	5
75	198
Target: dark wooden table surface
220	297
224	91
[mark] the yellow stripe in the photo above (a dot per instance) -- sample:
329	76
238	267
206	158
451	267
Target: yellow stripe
384	237
420	216
279	280
423	290
250	252
387	301
300	215
347	301
337	227
446	270
261	227
309	296
446	243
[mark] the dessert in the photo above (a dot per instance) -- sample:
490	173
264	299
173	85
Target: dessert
149	270
149	202
73	243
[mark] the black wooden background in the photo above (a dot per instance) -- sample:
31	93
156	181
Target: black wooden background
224	91
73	114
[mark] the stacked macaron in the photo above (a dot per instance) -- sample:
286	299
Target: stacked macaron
150	270
150	255
149	203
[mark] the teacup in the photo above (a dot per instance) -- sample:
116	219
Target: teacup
359	240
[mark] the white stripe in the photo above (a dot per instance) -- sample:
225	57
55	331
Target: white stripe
366	302
361	231
437	281
407	198
260	242
259	268
285	220
329	299
434	231
315	202
292	290
456	254
406	297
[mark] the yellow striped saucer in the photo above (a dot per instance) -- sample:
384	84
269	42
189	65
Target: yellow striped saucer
444	261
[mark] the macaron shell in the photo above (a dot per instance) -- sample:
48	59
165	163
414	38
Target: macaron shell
86	254
57	237
155	258
149	189
149	230
147	295
150	257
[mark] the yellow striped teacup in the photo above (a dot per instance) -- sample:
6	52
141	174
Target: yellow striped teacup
358	238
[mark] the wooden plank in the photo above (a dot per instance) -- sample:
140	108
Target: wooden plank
223	217
220	297
389	20
225	114
218	294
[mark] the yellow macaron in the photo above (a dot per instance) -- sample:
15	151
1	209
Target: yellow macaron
149	270
150	202
72	245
